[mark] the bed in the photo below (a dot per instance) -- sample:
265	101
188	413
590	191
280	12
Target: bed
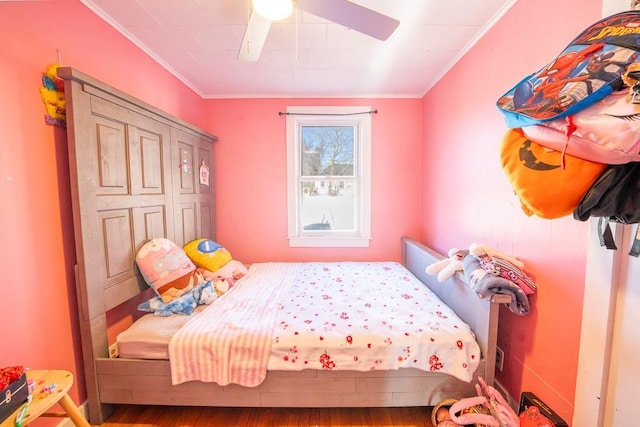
134	177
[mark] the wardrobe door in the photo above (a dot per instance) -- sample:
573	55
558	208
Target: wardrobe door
120	193
119	185
192	172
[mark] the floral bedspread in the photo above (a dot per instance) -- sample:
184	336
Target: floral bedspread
366	316
358	316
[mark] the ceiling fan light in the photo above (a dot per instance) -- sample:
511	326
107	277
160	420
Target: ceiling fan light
274	10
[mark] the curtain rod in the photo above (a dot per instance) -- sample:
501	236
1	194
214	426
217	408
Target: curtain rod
280	113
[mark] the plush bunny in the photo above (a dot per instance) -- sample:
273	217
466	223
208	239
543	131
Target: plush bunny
446	268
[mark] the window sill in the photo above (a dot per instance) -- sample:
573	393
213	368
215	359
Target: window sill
329	242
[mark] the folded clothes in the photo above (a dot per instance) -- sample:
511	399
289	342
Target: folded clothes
486	285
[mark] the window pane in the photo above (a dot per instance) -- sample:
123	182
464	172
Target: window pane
327	150
328	205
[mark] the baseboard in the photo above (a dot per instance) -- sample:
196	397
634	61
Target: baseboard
514	403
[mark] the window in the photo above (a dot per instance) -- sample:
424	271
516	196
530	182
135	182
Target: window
329	176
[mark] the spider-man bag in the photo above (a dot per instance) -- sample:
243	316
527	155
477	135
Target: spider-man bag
586	71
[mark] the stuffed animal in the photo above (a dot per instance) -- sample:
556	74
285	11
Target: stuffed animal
207	254
220	285
178	285
446	268
232	271
162	262
184	304
52	93
205	294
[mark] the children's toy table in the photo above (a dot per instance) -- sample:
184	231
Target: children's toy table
51	387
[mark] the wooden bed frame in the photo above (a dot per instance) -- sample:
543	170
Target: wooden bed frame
134	177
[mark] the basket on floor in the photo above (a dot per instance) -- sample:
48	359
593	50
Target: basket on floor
447	403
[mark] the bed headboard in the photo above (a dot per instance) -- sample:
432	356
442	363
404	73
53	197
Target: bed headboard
480	314
135	175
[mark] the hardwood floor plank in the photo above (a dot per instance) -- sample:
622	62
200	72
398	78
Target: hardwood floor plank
194	416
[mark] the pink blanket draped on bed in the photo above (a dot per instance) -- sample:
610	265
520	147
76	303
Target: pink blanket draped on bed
230	341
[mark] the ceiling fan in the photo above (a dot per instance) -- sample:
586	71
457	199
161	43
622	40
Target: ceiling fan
343	12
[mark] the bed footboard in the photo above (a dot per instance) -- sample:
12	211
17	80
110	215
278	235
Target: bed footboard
129	381
480	314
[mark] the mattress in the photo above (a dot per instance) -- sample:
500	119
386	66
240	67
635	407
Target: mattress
349	316
149	336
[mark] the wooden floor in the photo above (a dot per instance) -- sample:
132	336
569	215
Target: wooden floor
164	416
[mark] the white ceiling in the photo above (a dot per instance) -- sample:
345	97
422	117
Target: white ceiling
198	42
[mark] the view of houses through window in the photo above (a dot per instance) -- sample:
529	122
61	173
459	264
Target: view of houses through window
328	182
328	166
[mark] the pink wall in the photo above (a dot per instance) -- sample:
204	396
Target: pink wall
251	181
462	132
40	328
443	147
250	169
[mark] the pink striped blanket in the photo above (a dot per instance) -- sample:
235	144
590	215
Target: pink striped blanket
230	341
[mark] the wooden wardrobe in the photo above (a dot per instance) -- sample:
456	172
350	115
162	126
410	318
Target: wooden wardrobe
137	173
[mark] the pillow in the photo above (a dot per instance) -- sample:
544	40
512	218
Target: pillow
233	270
162	263
207	254
184	304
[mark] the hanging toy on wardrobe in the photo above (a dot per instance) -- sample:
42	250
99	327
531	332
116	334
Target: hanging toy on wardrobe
52	93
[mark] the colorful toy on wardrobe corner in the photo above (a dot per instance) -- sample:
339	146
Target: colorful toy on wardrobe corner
52	93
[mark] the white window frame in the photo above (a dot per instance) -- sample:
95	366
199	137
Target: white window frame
329	116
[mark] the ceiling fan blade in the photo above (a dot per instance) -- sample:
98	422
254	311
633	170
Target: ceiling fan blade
352	16
254	37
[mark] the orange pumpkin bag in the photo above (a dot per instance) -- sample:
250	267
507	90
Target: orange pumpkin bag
548	183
